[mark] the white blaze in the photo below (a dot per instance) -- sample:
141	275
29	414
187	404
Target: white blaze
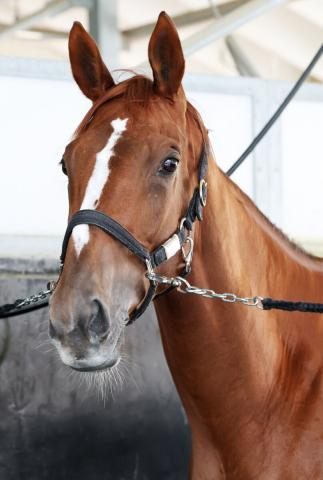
99	177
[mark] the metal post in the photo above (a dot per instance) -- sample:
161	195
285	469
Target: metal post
104	29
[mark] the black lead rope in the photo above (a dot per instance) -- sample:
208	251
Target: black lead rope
269	304
277	114
19	308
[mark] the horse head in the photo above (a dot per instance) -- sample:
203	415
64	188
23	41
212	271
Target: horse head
134	158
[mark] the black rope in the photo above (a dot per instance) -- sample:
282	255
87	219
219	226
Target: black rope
277	114
12	309
269	303
9	307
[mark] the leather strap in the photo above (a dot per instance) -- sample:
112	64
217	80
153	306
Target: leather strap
198	200
108	225
116	230
144	304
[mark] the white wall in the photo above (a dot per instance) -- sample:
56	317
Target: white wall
229	120
37	119
302	172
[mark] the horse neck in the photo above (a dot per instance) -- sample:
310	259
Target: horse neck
213	347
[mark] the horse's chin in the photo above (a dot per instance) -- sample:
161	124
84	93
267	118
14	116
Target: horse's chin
105	358
99	368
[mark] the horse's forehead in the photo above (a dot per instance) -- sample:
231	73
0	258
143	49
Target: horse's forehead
155	113
139	130
147	125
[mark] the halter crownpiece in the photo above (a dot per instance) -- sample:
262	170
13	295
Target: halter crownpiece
162	253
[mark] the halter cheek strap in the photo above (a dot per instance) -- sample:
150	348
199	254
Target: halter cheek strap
161	254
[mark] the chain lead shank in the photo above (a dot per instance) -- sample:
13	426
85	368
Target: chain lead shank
183	286
28	304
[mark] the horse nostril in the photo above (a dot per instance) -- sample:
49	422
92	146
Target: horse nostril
99	323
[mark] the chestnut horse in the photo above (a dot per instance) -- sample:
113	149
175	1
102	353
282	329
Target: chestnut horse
250	380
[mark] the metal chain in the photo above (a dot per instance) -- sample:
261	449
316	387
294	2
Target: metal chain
183	286
28	304
42	295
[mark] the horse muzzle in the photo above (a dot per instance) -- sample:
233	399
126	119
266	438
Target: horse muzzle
91	342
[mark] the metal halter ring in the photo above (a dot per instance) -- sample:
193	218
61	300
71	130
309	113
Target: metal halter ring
203	192
189	255
150	269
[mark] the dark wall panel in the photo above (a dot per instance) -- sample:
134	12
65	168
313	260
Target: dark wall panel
53	422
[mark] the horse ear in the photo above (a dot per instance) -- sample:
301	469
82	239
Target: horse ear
166	56
88	68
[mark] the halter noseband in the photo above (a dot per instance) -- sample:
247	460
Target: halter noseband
162	253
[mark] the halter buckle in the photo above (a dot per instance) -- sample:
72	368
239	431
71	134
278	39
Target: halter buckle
203	192
150	269
188	256
51	286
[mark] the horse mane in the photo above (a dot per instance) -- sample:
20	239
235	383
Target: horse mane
197	119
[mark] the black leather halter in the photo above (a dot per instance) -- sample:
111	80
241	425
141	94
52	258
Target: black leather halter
162	253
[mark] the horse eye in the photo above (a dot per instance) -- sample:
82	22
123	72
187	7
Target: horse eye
169	166
62	163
